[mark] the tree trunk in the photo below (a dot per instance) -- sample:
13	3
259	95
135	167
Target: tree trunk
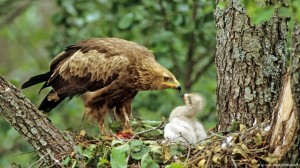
292	156
250	64
47	141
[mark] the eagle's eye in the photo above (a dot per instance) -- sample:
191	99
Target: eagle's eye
166	78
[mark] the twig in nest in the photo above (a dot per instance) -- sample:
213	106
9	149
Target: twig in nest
217	135
233	162
149	130
188	154
74	146
207	163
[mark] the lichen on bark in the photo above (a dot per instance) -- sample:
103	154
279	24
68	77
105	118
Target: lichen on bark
250	62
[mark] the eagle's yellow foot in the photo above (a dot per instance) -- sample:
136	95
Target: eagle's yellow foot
125	134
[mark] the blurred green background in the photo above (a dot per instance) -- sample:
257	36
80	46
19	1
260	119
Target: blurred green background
180	33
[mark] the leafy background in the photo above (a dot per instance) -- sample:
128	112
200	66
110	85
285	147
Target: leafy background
32	32
181	34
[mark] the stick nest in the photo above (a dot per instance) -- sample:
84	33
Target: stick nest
241	147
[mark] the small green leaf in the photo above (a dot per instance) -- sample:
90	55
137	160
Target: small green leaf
138	149
245	148
148	162
270	159
260	15
135	145
243	128
66	161
175	165
257	139
102	162
222	4
89	152
115	142
284	12
126	21
74	164
240	151
119	156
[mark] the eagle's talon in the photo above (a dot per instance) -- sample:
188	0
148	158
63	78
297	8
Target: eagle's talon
125	134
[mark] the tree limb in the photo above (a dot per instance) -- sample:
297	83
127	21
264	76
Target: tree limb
203	69
17	12
36	128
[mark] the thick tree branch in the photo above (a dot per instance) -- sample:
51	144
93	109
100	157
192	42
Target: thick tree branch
32	124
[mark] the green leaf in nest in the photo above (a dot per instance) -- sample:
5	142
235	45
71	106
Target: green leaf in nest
175	165
270	159
148	162
138	149
66	161
237	150
257	139
118	156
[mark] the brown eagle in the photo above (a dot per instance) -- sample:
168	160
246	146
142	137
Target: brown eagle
109	72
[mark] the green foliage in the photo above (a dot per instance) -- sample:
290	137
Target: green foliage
181	35
119	156
262	11
166	27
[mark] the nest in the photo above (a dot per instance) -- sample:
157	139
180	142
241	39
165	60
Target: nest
243	147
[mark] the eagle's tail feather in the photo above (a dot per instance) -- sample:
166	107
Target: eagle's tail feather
47	104
37	79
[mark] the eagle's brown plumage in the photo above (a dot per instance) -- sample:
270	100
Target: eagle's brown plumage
108	72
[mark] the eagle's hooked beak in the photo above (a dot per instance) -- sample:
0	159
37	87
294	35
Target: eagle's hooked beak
174	85
178	87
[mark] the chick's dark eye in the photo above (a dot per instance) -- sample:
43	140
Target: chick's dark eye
166	78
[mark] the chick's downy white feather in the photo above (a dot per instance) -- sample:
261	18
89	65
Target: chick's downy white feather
182	126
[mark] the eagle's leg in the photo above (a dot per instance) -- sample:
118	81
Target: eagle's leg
97	114
101	113
124	114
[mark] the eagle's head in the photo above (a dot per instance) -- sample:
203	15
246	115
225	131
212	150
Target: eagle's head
153	76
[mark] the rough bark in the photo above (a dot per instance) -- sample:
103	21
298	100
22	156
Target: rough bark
32	125
292	156
250	64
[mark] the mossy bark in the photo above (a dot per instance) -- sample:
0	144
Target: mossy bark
250	62
32	125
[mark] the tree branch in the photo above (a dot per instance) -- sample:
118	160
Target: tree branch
203	69
190	63
17	12
36	128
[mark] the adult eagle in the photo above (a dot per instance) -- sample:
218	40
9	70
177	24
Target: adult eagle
109	72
